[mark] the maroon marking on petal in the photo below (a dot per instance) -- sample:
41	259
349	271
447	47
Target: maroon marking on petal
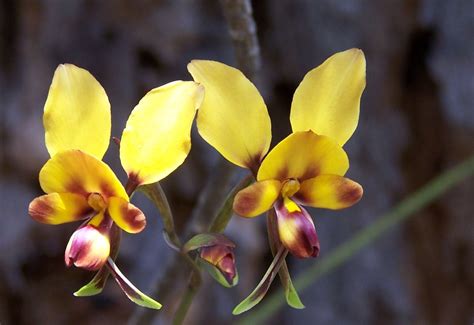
107	190
75	186
245	202
350	194
132	183
282	174
40	209
311	172
254	164
134	217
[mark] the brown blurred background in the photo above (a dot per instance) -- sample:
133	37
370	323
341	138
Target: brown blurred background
417	119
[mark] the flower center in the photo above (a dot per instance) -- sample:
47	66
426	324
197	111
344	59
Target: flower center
290	187
96	202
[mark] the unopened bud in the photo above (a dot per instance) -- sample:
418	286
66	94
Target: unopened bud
88	248
222	257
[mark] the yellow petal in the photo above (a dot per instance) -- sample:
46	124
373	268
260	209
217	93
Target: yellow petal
74	171
233	117
327	100
157	138
303	155
126	215
329	192
57	208
76	113
257	198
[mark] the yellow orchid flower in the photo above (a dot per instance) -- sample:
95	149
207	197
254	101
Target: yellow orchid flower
307	167
80	186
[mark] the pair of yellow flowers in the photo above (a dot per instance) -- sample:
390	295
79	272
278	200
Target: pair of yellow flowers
306	168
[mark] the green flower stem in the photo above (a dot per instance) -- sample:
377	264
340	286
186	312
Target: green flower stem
187	299
225	213
218	225
156	194
402	211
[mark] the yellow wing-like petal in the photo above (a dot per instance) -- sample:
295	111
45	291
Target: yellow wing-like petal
74	171
329	192
303	155
327	100
57	208
233	117
257	198
157	137
76	113
126	215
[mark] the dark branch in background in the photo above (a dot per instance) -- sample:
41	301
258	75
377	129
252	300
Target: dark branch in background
243	33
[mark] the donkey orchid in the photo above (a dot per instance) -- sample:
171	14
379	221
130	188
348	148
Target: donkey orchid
307	167
80	186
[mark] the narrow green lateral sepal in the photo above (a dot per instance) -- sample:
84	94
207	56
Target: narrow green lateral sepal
291	295
95	286
130	290
261	290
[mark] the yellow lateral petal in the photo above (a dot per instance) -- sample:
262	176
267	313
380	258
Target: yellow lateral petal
75	171
257	198
327	100
76	113
329	192
126	215
57	208
157	138
303	155
233	117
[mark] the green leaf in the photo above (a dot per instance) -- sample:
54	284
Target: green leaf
217	274
261	290
97	284
129	289
291	295
206	240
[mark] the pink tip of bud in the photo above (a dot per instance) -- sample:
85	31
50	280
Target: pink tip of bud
88	248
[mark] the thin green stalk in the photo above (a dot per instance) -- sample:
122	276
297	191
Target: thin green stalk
156	194
187	299
421	198
225	213
218	225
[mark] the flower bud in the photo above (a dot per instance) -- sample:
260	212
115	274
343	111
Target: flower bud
296	229
88	248
222	257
